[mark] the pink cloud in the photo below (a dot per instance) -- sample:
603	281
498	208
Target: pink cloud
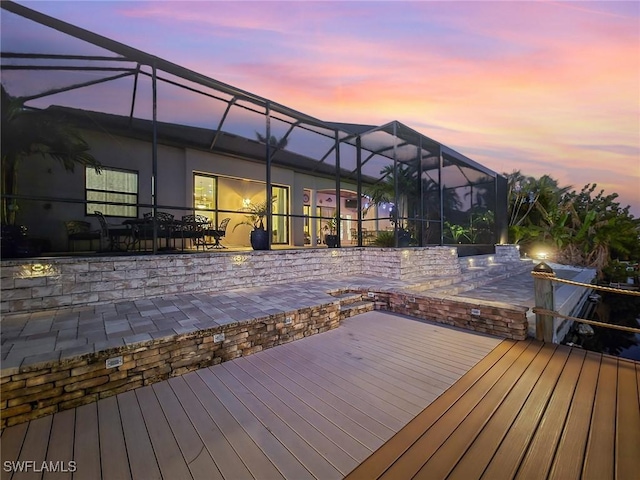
535	82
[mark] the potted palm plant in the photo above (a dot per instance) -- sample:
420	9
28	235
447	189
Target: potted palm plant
256	213
330	228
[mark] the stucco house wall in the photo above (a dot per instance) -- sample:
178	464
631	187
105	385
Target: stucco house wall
45	178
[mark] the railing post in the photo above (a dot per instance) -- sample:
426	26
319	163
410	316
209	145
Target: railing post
543	290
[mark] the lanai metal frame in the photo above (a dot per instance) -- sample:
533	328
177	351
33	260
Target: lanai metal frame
112	63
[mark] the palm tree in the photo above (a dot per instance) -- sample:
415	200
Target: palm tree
521	197
277	144
384	191
27	132
530	198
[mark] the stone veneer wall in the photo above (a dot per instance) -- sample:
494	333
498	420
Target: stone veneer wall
30	284
495	318
508	253
41	389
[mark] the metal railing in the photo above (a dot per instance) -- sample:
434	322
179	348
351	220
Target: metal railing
543	278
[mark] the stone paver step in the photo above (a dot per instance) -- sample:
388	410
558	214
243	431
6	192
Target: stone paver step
480	276
348	297
351	309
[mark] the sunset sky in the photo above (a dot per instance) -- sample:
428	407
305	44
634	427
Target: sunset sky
543	87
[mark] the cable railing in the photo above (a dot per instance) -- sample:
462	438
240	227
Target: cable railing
544	277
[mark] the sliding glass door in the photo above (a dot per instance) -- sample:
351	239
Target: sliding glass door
218	197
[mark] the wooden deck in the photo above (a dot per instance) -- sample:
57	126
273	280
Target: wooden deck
313	408
527	411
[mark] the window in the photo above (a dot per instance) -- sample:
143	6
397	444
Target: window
280	219
110	187
205	198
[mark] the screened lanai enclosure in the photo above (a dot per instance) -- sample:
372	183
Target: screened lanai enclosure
106	148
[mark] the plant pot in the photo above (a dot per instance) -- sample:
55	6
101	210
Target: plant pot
404	238
259	239
331	240
14	241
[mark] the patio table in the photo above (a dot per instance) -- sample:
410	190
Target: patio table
142	230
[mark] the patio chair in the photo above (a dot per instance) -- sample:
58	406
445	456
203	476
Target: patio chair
368	237
141	233
113	234
80	231
354	235
217	233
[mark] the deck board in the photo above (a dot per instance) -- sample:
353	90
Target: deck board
113	451
36	443
369	416
61	445
358	401
532	411
198	459
354	438
291	410
569	455
534	429
361	373
598	462
430	362
364	427
170	460
541	451
216	397
423	343
414	385
200	437
508	427
142	458
317	453
86	449
627	445
354	391
378	463
436	450
12	441
310	458
401	365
